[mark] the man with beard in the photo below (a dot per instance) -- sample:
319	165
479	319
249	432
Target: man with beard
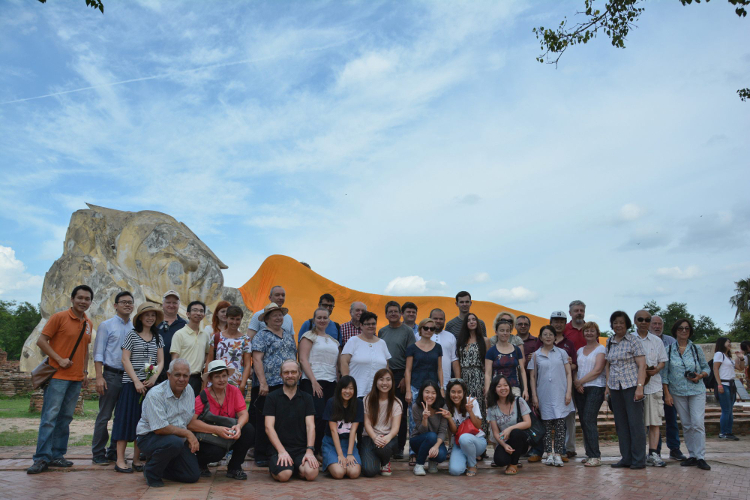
574	330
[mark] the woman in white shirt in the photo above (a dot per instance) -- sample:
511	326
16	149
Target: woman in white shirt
461	406
319	356
365	354
726	391
589	384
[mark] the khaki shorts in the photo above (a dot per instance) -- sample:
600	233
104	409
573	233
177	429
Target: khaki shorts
653	409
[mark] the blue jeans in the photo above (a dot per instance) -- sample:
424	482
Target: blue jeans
726	401
673	431
466	453
60	398
421	444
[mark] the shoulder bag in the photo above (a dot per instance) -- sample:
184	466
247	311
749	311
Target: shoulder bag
42	374
211	419
535	433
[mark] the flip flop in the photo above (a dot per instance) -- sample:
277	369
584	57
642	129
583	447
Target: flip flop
471	473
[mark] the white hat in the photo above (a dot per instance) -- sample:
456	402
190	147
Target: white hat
215	366
171	292
558	314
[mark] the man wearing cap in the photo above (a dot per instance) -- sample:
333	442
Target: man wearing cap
574	330
352	328
558	319
463	302
163	434
65	340
224	400
290	424
108	364
192	344
271	346
333	329
171	324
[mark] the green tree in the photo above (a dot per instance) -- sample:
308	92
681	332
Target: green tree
741	297
615	20
740	328
96	4
16	323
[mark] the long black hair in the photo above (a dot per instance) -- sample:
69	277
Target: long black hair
438	403
722	347
341	412
463	337
492	396
462	409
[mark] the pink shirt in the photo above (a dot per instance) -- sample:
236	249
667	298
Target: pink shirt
233	403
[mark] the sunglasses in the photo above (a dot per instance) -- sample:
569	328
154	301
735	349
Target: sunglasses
429	328
683	328
641	320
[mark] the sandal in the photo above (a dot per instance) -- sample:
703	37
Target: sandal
593	462
471	473
412	460
511	470
237	474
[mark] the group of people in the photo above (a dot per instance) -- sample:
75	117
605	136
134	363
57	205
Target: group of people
346	398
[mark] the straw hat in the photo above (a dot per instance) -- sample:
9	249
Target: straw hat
270	308
216	366
146	307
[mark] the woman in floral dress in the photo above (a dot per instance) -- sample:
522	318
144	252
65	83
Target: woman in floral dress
471	349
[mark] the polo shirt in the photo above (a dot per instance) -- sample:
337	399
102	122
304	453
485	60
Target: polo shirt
290	417
574	335
63	329
108	342
191	346
397	340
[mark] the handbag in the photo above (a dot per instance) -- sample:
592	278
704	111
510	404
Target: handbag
535	433
41	375
467	426
209	418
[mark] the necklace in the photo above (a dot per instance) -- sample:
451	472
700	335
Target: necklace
216	398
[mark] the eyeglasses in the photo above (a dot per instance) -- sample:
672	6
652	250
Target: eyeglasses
641	320
683	328
327	306
523	324
369	324
125	302
429	328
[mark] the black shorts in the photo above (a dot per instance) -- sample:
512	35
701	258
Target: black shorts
297	456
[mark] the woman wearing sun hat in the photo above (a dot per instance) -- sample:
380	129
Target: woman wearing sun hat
224	400
142	360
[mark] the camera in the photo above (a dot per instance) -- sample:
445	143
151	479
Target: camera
690	375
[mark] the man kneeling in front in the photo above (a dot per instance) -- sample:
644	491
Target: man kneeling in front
162	431
290	426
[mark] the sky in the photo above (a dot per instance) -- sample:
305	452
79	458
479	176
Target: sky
406	148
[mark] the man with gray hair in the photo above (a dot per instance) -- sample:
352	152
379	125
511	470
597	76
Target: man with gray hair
574	330
162	431
352	328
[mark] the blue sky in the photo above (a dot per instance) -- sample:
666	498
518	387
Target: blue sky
398	147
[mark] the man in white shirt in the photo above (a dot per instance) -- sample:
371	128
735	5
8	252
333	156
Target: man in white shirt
653	405
448	343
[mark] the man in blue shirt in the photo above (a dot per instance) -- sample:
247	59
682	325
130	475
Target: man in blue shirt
670	414
108	364
333	329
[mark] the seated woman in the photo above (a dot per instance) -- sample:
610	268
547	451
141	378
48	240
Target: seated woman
506	424
430	428
224	400
382	420
344	413
461	406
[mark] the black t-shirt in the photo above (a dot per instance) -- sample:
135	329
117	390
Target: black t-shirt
290	417
343	427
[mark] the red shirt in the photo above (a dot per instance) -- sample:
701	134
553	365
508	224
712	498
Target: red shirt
234	403
574	335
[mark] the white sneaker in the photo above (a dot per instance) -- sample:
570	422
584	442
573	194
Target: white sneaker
550	460
432	468
557	461
419	470
655	460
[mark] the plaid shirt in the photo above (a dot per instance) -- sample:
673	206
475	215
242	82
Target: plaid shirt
348	330
623	371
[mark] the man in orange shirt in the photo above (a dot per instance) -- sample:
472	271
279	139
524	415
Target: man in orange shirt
65	340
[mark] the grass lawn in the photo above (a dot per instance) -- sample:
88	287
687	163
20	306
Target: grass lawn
14	437
18	407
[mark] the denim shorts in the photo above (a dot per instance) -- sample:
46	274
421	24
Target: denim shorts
329	451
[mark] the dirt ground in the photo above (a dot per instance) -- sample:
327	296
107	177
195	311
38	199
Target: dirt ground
78	428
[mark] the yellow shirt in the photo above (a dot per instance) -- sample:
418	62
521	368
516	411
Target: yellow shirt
191	346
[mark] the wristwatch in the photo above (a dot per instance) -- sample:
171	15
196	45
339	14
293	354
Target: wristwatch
311	448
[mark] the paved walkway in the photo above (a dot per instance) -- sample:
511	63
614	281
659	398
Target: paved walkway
728	479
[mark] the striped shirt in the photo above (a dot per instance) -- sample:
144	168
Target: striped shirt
623	371
348	330
142	353
162	408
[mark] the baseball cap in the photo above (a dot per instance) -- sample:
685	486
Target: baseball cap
171	292
558	314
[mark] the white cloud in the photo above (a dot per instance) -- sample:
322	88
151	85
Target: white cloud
415	285
516	294
630	212
677	273
479	278
15	282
